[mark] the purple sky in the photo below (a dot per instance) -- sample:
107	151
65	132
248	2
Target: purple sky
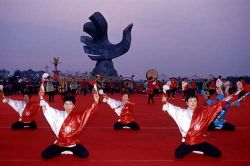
175	37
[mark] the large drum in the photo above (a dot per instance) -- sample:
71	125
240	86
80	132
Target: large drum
152	73
127	83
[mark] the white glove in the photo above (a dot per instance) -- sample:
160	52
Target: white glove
104	100
101	92
5	100
45	76
165	88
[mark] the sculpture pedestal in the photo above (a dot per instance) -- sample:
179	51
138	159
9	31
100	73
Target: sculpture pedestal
104	68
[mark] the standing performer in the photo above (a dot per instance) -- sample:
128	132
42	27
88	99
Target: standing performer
99	82
193	87
219	85
26	109
124	109
67	126
151	75
241	85
62	87
185	88
50	88
192	123
227	86
150	90
212	87
84	86
156	87
172	87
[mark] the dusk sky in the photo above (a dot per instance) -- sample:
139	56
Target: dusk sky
175	37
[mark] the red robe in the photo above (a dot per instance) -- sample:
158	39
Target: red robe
200	120
127	113
72	126
30	111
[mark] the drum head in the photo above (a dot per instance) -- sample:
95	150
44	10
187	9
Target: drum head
152	73
127	83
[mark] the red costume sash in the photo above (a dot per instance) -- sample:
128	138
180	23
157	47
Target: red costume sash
127	113
30	111
200	120
73	125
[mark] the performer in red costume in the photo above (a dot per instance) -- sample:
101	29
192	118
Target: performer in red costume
67	126
193	123
124	109
26	109
150	89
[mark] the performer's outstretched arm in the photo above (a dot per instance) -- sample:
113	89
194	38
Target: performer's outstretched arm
115	105
17	105
91	109
54	116
171	109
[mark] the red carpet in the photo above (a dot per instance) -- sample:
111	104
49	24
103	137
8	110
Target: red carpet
153	145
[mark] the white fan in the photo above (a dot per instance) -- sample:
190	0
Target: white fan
165	88
1	87
45	76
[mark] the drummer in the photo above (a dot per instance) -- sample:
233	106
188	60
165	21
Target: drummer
152	84
150	90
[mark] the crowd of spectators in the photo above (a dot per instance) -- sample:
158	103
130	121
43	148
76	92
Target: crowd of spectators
76	85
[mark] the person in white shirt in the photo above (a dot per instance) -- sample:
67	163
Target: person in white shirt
193	123
27	111
125	110
67	126
185	88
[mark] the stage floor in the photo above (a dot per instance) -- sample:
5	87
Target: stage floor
153	145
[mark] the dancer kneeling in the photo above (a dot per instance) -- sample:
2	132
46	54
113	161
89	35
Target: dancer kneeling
124	109
193	123
27	111
67	126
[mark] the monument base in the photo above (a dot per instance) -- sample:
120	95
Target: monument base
105	68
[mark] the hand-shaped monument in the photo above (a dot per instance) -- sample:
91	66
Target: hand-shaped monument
99	47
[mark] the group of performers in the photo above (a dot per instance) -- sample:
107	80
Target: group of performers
193	121
68	124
